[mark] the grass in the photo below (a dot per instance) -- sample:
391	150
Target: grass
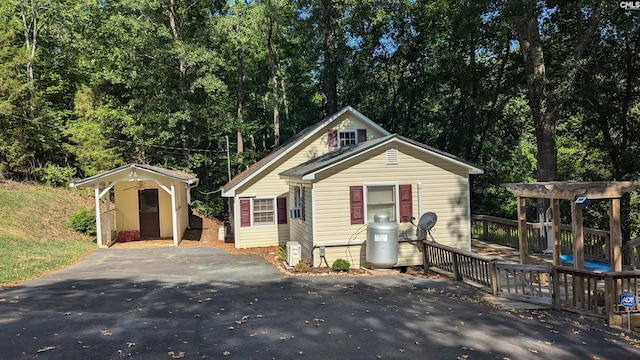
33	237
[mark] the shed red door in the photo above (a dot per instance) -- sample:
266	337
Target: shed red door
149	213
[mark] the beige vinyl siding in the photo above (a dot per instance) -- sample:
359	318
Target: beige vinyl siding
264	235
128	218
302	230
354	254
444	191
269	183
409	254
126	196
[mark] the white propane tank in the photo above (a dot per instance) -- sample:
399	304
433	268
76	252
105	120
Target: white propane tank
382	242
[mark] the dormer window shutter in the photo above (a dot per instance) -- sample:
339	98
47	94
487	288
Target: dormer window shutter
362	135
333	139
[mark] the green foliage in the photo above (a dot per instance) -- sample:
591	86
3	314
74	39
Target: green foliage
83	221
340	265
114	83
54	175
282	252
302	267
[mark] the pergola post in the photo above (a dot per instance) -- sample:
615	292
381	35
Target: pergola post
522	230
578	236
615	235
555	230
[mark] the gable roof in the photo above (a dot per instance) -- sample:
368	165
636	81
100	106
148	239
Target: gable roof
308	169
229	189
129	173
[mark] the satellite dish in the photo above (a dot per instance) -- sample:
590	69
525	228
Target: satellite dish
427	221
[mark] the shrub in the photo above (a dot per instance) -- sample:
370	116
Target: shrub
282	252
83	221
302	267
54	175
340	265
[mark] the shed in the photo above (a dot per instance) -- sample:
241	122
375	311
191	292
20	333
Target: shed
149	199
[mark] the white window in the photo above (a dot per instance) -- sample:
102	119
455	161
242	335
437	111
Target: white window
298	202
347	137
381	199
263	212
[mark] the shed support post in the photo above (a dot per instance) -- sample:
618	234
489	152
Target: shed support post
98	220
615	235
174	215
522	230
555	230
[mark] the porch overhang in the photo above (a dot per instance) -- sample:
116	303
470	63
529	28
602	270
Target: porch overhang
104	182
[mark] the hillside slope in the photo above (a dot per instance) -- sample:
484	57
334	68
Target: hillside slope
33	236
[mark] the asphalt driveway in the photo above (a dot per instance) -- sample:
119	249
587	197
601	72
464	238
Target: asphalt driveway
203	303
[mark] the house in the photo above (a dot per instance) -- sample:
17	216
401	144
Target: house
147	199
323	186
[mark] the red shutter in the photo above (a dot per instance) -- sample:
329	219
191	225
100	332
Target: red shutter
302	203
357	204
282	210
406	205
362	135
245	212
333	139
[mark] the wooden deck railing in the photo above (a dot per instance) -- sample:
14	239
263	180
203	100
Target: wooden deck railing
460	265
584	291
505	232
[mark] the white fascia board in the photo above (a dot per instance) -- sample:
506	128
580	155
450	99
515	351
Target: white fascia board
470	169
329	120
230	193
366	119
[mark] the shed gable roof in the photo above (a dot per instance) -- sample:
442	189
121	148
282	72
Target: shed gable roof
129	172
291	145
308	169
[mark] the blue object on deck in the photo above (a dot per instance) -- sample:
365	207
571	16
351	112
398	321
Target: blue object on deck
588	265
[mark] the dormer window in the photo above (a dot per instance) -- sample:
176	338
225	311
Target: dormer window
347	137
341	138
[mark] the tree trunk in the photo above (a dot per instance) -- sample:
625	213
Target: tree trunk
176	32
240	94
30	29
274	82
330	65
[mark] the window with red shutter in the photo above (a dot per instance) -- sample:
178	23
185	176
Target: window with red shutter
245	212
357	204
282	210
406	204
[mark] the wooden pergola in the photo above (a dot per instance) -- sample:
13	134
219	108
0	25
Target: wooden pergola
563	190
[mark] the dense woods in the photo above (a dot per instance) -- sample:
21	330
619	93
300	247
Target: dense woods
529	90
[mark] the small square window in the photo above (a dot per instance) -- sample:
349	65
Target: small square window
347	137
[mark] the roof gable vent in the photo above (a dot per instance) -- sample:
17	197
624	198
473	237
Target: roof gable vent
392	156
